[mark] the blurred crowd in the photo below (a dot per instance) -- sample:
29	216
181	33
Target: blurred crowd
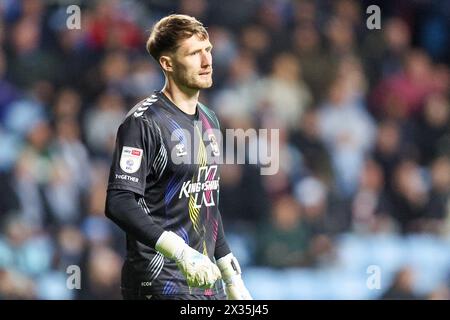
363	117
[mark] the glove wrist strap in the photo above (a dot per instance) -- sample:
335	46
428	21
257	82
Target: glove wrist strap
170	245
229	267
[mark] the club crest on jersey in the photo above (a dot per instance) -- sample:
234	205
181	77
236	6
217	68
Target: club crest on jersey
181	149
214	145
130	159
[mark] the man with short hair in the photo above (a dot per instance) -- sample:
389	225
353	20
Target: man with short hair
163	188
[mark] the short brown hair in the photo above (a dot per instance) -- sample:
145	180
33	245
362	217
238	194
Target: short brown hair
167	33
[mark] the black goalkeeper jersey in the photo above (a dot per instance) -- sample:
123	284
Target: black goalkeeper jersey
170	160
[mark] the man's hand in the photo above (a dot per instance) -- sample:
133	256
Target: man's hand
196	267
231	274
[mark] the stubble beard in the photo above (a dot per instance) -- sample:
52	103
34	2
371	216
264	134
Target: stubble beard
195	82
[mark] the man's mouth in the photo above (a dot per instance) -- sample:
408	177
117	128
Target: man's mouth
204	73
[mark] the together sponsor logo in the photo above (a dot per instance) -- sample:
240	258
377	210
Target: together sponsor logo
201	190
127	178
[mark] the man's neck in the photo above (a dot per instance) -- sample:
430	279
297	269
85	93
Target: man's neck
185	100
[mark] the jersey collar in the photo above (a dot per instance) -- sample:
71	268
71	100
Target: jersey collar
167	102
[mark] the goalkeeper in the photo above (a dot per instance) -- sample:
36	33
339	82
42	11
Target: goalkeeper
163	188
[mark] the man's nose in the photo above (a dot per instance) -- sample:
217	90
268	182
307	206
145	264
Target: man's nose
206	59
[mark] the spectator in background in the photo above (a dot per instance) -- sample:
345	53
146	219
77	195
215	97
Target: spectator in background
225	53
317	67
95	227
434	33
308	142
25	112
113	72
384	53
103	275
102	121
371	208
25	50
340	37
70	247
314	199
67	105
255	39
141	76
272	16
8	92
195	8
283	238
409	197
305	11
440	293
68	185
242	212
402	287
112	28
33	171
25	249
15	286
438	202
288	161
9	201
236	101
432	127
388	150
346	129
348	10
402	94
283	95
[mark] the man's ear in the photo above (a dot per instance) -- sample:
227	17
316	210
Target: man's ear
166	63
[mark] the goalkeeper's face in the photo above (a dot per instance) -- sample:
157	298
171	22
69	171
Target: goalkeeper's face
192	63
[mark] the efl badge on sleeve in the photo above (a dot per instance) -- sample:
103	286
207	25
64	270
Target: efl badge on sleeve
130	159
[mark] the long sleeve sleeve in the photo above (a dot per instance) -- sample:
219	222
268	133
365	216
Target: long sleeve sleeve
124	210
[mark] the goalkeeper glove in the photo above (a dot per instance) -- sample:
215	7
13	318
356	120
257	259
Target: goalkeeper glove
231	274
197	268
